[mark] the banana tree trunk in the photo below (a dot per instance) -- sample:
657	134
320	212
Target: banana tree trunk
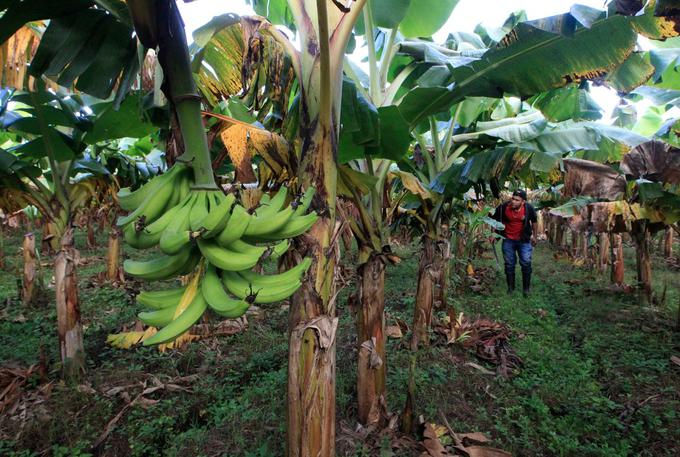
30	277
617	265
2	246
371	369
559	235
668	243
575	244
113	256
68	309
434	258
603	252
643	260
540	224
584	245
91	239
313	323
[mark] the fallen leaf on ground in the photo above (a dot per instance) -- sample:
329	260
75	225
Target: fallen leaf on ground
393	331
473	438
480	368
481	451
433	447
675	359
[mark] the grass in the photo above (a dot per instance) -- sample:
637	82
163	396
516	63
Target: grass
597	378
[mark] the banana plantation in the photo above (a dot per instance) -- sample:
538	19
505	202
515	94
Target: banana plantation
295	232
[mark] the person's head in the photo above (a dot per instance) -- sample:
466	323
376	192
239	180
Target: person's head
518	198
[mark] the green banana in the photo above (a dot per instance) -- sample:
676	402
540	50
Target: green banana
240	287
259	226
159	299
151	234
172	239
199	211
191	263
218	217
218	299
184	187
274	205
158	318
305	201
295	226
226	259
172	243
242	247
163	267
182	323
154	203
130	201
237	224
260	281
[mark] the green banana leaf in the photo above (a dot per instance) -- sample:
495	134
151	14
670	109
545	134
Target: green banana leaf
571	102
543	55
82	44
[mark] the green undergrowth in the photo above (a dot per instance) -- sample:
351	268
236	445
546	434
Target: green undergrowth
597	378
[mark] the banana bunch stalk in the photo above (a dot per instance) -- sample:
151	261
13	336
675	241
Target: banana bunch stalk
212	237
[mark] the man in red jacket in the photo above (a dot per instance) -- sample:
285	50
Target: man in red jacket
519	218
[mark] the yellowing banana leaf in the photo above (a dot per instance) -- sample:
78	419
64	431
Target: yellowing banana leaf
240	56
243	141
16	53
179	342
126	340
235	139
413	185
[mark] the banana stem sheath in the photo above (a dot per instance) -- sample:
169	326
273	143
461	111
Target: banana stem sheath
174	59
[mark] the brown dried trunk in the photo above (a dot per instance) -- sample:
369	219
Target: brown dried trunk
371	370
540	224
668	243
68	309
617	265
91	239
552	232
312	320
583	244
434	259
643	260
559	235
113	256
2	247
575	243
604	248
28	285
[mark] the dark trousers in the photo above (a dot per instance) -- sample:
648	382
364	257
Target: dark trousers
513	249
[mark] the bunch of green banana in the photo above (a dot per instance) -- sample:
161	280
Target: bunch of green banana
215	239
230	296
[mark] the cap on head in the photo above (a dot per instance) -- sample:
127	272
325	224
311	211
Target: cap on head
520	193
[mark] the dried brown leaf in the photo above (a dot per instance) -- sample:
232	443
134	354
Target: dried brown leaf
473	438
482	451
393	331
433	447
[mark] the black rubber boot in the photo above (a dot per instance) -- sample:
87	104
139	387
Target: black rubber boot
526	282
510	278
